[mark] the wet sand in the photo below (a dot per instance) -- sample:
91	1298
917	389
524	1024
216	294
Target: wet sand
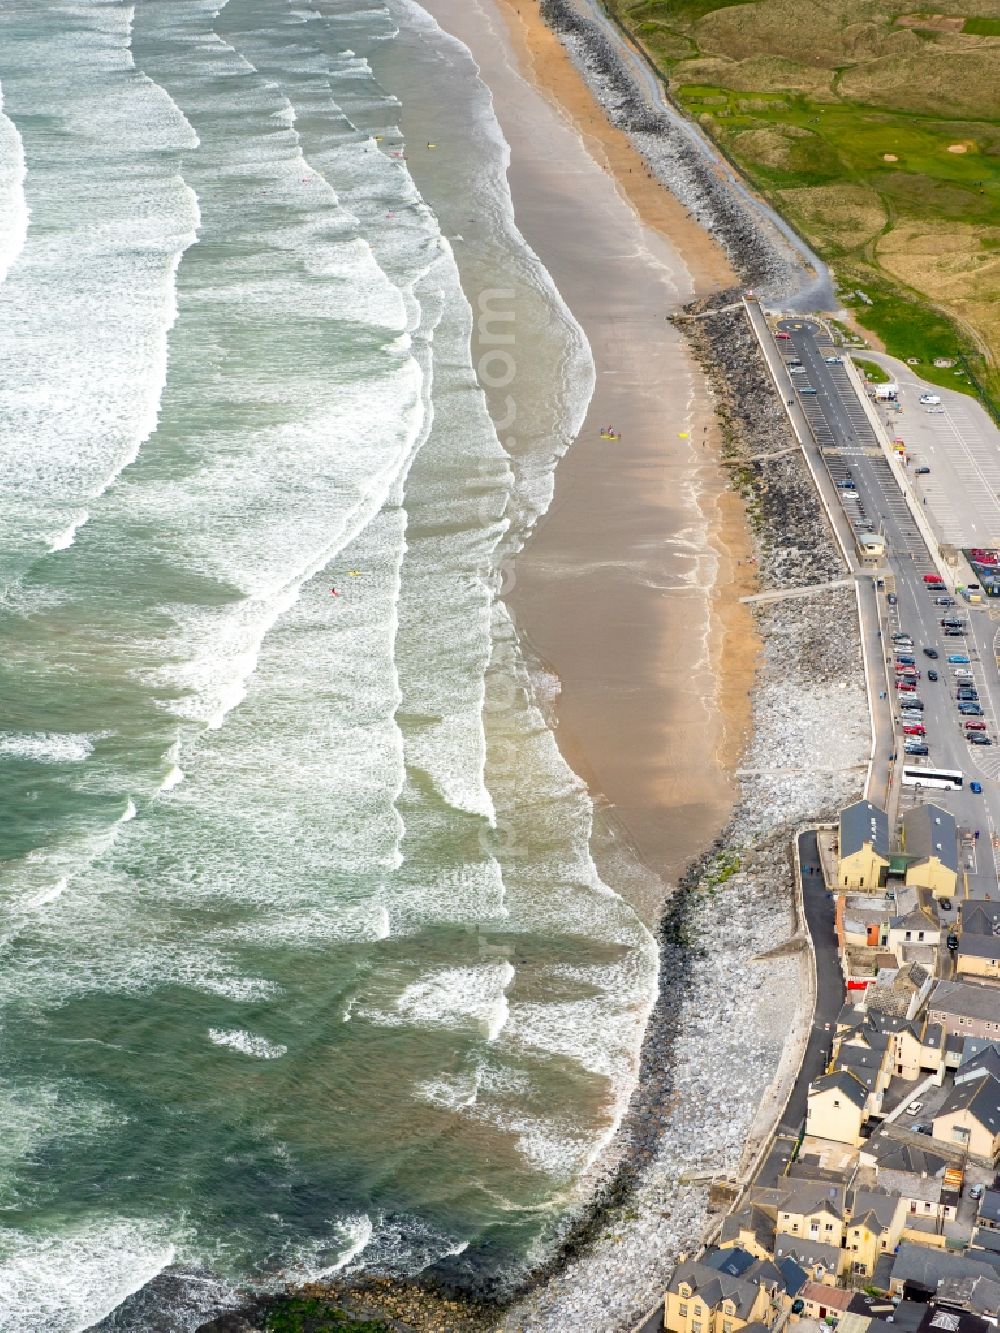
628	591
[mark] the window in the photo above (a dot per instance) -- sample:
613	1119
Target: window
920	934
684	1290
727	1326
829	1226
913	1205
684	1311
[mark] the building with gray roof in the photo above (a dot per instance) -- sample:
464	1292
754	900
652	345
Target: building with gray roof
965	1009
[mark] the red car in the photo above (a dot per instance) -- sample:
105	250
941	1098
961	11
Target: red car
914	729
784	336
934	580
908	685
975	726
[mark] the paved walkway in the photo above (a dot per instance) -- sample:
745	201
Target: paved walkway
829	979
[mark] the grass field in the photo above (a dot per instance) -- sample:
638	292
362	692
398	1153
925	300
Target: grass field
877	134
871	370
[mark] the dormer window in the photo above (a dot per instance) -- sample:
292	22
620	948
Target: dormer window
684	1290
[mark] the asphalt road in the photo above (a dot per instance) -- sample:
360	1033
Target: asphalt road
849	443
819	907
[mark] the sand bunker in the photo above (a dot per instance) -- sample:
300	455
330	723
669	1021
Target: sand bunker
958	148
889	157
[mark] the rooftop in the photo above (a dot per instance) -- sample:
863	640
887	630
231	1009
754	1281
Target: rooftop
963	999
863	823
929	831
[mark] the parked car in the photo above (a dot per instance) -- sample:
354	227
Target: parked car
979	738
783	337
921	471
969	696
900	634
905	659
946	904
954	633
958	659
834	360
911	704
963	673
930	399
952	941
914	1108
846	486
914	729
932	675
953	622
930	652
975	726
934	580
915	748
970	710
975	1192
797	369
806	388
891	598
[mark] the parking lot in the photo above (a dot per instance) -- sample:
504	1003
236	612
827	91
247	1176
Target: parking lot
872	499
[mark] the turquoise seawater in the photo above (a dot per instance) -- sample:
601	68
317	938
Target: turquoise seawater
304	958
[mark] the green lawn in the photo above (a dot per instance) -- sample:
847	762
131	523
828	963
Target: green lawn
904	204
871	370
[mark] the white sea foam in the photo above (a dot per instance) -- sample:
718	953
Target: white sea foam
89	301
13	203
248	1043
46	747
129	812
456	997
66	1283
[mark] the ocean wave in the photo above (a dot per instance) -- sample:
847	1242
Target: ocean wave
247	1043
13	201
66	1283
43	747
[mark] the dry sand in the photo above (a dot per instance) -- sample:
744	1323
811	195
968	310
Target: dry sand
629	589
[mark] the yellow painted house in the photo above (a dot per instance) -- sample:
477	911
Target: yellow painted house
930	842
863	855
701	1299
970	1118
979	943
877	1221
835	1107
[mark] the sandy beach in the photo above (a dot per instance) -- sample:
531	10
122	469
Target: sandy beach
628	591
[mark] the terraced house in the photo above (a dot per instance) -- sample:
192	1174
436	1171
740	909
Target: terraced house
702	1299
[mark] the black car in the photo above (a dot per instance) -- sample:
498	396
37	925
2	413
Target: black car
930	652
932	674
954	634
952	940
952	622
978	738
969	696
919	748
970	709
921	471
946	904
890	597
